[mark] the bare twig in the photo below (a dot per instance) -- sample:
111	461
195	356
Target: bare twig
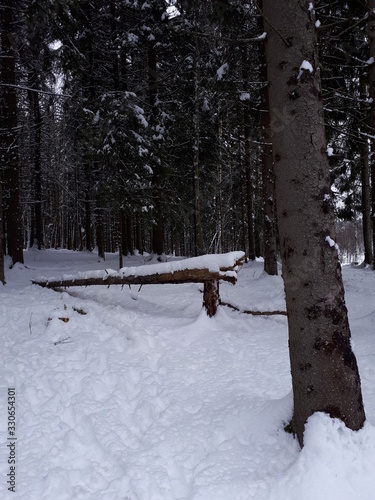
30	323
29	89
254	313
66	340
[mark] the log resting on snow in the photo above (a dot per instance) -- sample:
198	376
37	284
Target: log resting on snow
185	276
207	269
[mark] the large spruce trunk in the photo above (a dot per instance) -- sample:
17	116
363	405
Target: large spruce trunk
324	369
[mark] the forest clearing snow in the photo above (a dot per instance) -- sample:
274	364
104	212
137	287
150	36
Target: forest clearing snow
124	394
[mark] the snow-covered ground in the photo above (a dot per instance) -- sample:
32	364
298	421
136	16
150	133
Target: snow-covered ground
124	394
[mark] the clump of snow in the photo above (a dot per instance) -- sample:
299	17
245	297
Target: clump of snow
305	66
142	151
244	96
370	61
96	118
329	151
263	36
132	38
140	115
330	241
332	244
222	70
205	105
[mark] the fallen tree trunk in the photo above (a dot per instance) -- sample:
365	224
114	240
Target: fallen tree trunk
207	269
184	276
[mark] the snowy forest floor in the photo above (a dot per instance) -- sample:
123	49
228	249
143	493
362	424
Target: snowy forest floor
124	394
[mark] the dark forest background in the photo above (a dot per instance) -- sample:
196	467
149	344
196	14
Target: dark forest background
137	126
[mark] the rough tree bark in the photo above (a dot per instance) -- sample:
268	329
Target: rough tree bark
138	233
324	369
88	244
248	176
99	215
9	141
268	177
35	70
157	232
198	232
211	297
371	75
129	234
365	183
2	272
243	224
39	233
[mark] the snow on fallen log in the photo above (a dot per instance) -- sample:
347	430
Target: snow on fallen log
207	269
193	270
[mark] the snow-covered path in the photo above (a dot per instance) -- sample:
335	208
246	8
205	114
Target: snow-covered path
134	395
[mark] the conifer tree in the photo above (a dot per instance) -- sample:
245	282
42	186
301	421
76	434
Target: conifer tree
9	147
324	369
